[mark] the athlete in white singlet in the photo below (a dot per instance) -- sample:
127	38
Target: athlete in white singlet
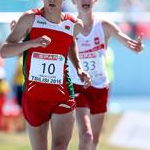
92	44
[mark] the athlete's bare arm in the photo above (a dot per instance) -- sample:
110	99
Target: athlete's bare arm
111	29
78	27
74	56
73	52
13	46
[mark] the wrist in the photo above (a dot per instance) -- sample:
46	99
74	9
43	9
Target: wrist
27	44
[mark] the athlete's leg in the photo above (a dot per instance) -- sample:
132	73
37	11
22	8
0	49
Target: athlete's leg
61	127
84	127
96	124
38	136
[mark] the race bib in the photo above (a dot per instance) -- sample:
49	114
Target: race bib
47	68
92	63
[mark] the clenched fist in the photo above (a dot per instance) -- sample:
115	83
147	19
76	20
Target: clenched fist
42	41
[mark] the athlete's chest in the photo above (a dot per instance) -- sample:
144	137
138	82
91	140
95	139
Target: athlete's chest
93	42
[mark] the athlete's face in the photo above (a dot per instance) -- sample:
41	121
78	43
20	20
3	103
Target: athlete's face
53	4
84	5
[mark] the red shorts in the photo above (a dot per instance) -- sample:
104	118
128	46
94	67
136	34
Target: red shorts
37	111
92	98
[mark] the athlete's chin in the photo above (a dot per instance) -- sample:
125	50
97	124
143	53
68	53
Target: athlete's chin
50	9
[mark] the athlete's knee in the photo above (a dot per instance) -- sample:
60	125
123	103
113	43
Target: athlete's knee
60	145
86	138
95	140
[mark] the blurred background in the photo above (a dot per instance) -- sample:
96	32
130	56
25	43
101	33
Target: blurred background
128	117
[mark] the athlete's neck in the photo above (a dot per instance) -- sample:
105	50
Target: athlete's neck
49	15
88	21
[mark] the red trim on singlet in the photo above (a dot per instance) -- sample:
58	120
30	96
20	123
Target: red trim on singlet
96	48
38	11
69	17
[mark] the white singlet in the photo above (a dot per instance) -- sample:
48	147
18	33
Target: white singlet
92	55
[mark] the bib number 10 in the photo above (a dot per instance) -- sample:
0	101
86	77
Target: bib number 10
48	68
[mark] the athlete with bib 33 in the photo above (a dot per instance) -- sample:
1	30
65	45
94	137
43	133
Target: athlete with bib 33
92	44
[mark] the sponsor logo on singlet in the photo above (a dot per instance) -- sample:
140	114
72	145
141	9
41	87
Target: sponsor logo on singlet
41	22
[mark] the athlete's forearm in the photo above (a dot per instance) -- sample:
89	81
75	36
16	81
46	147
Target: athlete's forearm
74	57
124	39
75	61
134	45
13	49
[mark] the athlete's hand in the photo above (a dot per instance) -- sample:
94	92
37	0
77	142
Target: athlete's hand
84	77
137	45
13	24
42	41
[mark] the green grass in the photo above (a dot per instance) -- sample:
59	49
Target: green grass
19	141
